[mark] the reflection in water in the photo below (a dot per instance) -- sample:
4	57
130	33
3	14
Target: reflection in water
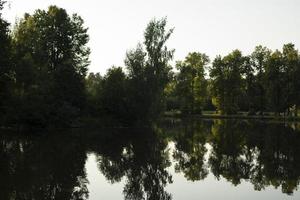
42	168
265	154
141	157
190	149
52	166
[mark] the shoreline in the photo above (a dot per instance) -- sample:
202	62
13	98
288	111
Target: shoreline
236	116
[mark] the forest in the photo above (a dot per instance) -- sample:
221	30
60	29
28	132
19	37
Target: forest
44	79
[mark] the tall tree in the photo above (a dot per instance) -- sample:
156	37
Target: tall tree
56	46
149	69
290	58
275	82
94	89
191	83
259	59
6	74
137	83
114	96
157	64
226	75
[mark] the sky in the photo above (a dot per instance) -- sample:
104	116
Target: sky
214	27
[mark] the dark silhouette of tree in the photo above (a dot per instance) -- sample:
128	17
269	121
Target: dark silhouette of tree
275	82
291	67
114	93
259	59
50	51
6	74
149	71
43	68
94	88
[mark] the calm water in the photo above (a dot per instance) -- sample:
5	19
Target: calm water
189	159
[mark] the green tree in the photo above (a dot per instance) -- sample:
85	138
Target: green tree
157	69
291	60
6	74
94	89
137	84
51	45
227	82
259	59
275	82
249	100
114	97
191	84
149	71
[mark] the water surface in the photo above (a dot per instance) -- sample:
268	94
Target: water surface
177	159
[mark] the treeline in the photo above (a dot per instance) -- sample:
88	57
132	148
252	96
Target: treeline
43	76
44	62
264	81
261	83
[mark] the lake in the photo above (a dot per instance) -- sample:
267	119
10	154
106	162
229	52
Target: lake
175	159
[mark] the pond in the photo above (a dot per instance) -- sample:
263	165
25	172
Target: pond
175	159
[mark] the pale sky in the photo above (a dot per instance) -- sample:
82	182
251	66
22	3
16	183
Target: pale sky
207	26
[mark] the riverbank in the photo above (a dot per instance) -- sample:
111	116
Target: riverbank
240	115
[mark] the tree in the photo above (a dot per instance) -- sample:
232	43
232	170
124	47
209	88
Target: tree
6	75
226	75
275	82
149	71
52	45
137	84
259	59
291	70
114	95
249	100
157	64
191	83
94	89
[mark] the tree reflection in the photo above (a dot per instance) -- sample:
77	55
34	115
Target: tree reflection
278	160
190	149
42	168
142	158
51	166
230	156
265	154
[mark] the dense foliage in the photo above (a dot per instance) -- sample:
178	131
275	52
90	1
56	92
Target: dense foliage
49	60
263	81
43	77
137	94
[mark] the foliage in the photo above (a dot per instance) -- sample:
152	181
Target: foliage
6	74
43	77
191	86
149	71
51	60
226	75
